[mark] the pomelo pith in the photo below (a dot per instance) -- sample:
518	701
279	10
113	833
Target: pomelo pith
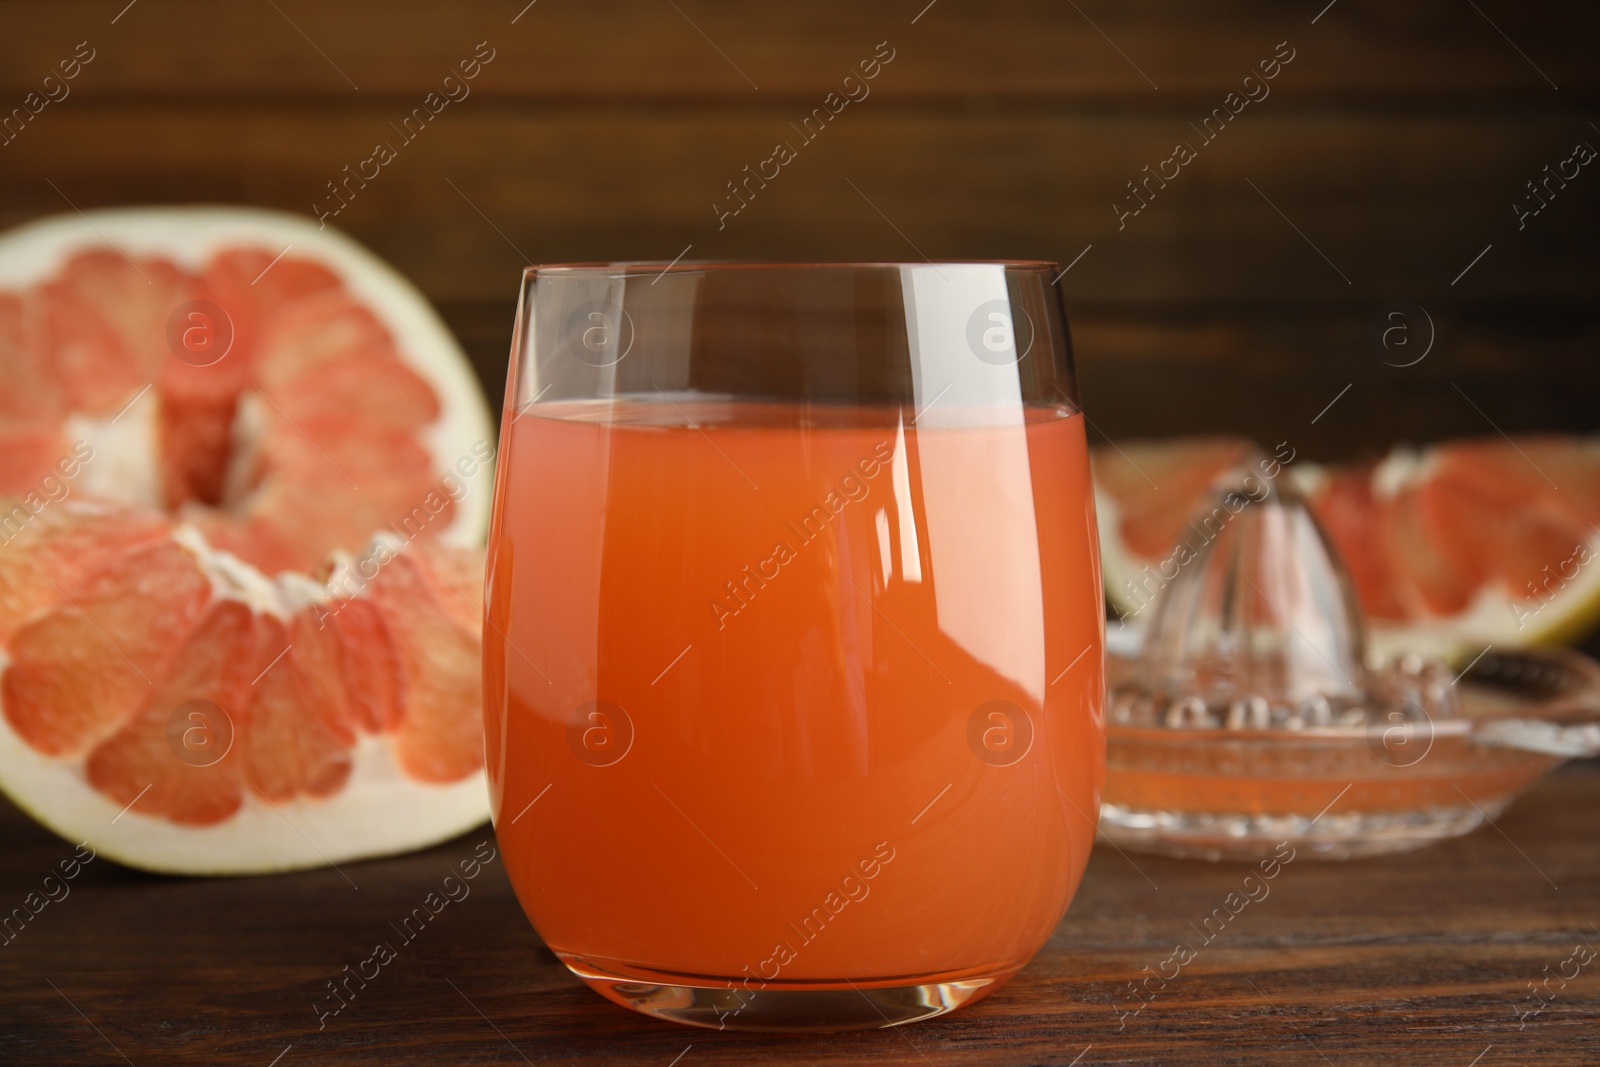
1488	541
243	478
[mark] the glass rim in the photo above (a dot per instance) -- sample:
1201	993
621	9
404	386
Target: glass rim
694	266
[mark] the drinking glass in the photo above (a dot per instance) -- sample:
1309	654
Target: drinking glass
793	664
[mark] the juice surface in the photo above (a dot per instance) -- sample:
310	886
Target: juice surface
803	694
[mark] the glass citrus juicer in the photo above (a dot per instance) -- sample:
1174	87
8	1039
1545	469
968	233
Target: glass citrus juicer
1254	713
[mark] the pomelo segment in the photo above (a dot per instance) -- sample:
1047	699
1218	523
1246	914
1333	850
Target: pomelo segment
135	764
438	645
72	673
194	677
1488	541
51	552
103	324
322	738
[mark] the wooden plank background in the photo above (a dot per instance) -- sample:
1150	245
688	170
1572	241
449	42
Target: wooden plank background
1394	143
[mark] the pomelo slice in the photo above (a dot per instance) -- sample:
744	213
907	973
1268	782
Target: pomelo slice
209	663
1145	494
1486	541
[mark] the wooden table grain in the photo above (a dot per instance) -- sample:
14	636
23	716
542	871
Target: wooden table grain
1423	959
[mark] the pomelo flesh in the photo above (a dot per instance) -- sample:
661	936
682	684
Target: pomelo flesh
171	530
1476	541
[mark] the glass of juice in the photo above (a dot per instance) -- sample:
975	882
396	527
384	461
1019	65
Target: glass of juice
793	659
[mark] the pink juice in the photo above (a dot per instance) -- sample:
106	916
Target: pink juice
784	695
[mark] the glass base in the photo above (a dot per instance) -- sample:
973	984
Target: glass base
791	1006
1335	835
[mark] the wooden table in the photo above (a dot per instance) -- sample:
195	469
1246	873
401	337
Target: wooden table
1418	960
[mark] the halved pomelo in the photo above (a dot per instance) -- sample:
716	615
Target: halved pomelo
1481	541
243	473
